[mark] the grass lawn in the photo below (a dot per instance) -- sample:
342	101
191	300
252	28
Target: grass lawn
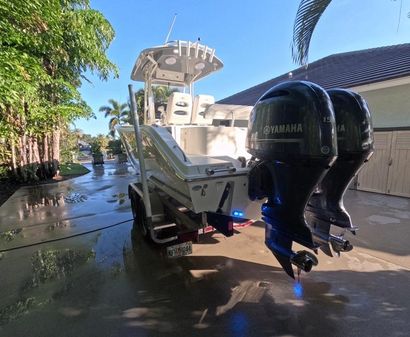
69	169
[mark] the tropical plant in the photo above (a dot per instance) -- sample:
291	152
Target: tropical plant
99	144
118	112
115	147
69	148
160	93
308	15
46	48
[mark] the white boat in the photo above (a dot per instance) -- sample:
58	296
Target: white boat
190	176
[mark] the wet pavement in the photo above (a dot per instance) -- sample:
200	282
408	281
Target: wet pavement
106	284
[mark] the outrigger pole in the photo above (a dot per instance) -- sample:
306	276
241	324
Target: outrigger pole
170	28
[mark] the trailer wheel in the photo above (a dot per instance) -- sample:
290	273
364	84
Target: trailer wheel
134	197
138	213
140	220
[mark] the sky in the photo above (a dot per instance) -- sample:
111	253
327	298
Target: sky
252	37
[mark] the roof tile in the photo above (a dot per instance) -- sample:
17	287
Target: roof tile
344	70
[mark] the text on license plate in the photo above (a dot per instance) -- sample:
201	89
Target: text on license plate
181	249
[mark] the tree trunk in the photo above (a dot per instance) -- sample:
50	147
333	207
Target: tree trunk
23	158
46	157
30	149
13	158
33	161
56	150
36	152
12	121
40	148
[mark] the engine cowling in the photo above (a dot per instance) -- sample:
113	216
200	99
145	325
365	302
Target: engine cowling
292	135
355	147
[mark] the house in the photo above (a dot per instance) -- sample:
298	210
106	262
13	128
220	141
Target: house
382	77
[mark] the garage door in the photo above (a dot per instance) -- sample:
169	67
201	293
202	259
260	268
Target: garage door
388	171
373	176
399	171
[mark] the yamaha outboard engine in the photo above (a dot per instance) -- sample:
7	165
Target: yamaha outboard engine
292	135
355	146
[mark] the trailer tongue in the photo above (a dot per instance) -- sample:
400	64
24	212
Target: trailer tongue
306	145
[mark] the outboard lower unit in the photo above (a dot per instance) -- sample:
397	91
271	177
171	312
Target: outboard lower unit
292	135
355	146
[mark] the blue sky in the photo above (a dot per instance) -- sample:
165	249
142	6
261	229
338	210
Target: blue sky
252	38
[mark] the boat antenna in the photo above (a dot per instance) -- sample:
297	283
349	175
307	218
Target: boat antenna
171	27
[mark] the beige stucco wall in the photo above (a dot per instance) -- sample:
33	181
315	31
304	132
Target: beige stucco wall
390	106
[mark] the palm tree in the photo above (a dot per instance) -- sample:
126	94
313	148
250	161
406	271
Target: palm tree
78	133
307	17
139	98
118	112
160	93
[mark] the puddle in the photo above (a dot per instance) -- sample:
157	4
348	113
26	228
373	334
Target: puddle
382	220
120	170
56	264
10	235
399	214
120	198
58	225
15	310
47	266
39	197
74	198
377	200
102	188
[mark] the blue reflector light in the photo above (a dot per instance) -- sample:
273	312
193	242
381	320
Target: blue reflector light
298	290
237	213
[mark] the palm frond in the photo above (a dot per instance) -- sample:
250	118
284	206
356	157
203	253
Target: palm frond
307	17
115	104
104	108
125	113
124	106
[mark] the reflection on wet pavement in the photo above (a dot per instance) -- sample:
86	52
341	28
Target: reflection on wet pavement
53	211
74	197
113	283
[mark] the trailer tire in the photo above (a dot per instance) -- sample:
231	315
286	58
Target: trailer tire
134	197
140	220
138	214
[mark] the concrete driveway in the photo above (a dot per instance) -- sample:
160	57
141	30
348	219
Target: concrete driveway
106	284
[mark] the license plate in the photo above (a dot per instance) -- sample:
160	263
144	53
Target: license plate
181	249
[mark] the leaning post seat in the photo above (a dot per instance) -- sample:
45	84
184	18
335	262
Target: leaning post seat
179	108
355	146
201	103
292	135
